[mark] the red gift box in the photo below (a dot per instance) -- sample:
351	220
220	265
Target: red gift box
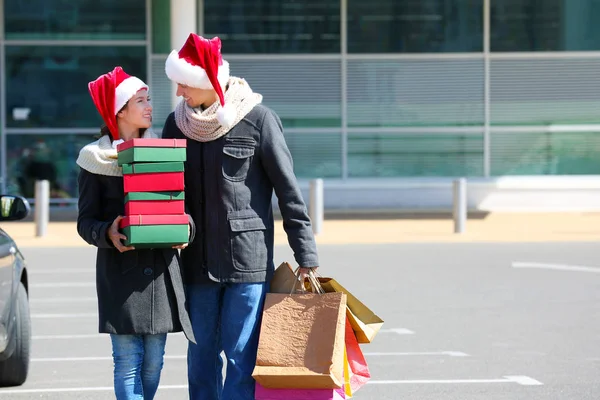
153	182
151	143
149	207
139	220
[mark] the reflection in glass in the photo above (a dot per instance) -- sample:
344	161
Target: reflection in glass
420	154
39	157
274	26
549	25
47	86
415	26
75	19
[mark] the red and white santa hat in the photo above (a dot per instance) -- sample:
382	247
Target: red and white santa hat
111	92
199	64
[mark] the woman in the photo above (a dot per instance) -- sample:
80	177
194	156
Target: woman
140	292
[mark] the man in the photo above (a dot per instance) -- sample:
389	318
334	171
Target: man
236	157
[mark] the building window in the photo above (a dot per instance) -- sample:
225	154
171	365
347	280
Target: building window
75	19
51	157
274	26
415	26
548	25
47	85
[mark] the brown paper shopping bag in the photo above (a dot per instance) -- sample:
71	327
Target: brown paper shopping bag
284	279
365	323
301	343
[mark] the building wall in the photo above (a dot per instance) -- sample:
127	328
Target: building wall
377	89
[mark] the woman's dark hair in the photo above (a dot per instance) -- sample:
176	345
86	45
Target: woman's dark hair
105	131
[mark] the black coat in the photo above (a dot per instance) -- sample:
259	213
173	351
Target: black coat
139	291
229	184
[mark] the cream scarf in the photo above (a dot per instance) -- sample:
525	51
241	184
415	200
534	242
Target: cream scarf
100	157
203	126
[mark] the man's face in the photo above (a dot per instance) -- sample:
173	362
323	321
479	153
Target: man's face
195	97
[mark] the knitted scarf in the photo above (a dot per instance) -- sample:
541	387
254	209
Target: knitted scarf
203	126
100	157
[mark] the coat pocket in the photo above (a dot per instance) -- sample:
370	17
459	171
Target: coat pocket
248	245
236	161
127	260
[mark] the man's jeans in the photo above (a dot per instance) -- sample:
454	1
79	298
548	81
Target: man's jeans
225	317
138	362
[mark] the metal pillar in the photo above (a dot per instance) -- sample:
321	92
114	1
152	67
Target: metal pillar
42	207
316	205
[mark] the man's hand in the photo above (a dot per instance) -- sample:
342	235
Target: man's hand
303	273
115	236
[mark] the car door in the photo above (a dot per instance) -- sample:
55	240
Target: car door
7	260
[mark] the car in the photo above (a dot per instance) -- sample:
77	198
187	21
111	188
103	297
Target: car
15	321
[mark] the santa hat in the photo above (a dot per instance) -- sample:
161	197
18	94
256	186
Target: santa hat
111	92
199	64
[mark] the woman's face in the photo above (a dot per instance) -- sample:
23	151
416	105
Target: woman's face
138	111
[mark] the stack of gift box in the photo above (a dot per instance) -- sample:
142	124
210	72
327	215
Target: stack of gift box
153	182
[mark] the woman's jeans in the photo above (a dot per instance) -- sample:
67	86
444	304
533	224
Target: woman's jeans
225	317
138	362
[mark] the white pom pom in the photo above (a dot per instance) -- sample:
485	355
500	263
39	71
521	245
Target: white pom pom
226	116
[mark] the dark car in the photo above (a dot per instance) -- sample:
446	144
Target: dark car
15	322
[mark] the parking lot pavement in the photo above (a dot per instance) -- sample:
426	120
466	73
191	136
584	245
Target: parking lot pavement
463	322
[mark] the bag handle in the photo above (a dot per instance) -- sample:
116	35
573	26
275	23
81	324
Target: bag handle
312	279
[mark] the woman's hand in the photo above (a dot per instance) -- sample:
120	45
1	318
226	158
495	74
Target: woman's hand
183	245
115	236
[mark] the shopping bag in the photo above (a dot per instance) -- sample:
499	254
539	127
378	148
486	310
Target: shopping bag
283	279
302	340
365	323
356	370
263	393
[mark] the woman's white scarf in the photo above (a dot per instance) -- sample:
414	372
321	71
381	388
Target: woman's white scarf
100	157
203	126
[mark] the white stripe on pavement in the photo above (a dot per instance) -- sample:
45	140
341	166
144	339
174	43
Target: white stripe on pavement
52	271
557	267
184	356
398	331
68	337
46	300
61	359
83	389
62	284
60	316
84	336
521	380
421	353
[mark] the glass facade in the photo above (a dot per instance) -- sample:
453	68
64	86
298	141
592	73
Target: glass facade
50	50
401	92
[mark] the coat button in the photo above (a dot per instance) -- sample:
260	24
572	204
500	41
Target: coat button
148	271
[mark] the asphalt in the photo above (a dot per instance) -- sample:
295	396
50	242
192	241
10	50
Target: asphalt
462	322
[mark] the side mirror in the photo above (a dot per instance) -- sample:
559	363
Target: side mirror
13	208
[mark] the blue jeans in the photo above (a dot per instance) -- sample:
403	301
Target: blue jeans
225	317
138	362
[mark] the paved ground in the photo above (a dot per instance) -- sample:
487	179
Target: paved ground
462	322
496	227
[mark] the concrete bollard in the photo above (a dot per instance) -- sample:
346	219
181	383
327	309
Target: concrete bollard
42	207
459	202
316	205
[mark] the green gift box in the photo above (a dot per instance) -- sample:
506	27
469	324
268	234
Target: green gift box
151	151
154	196
154	231
152	167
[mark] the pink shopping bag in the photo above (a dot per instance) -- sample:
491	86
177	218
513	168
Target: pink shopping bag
263	393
